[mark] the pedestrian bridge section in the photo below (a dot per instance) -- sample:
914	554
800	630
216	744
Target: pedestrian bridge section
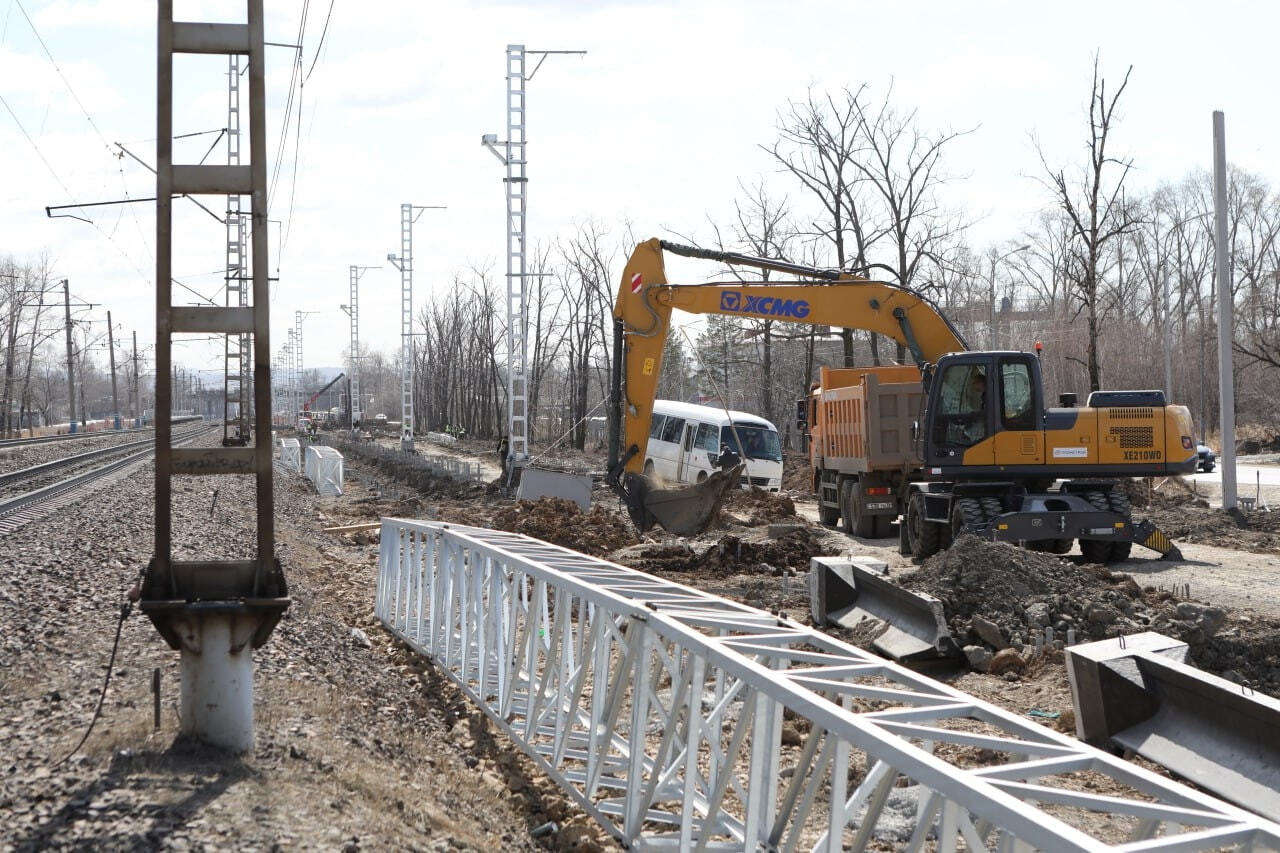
680	720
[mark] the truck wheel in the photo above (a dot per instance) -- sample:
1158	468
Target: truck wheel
828	515
966	514
863	526
923	535
1059	546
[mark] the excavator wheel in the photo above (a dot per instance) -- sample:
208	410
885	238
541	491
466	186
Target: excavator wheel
1097	550
923	535
966	514
1118	499
1059	546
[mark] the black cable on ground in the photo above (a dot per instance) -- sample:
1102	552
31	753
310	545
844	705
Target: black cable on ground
125	609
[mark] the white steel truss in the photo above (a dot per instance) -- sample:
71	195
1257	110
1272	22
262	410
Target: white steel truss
406	327
237	358
680	720
517	319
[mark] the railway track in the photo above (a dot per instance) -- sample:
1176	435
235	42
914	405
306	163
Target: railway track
36	503
80	436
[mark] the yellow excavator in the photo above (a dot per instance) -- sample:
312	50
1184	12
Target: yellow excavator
980	451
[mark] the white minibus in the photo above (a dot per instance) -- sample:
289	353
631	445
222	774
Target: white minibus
685	440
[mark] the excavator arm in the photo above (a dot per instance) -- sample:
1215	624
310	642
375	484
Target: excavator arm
642	318
306	407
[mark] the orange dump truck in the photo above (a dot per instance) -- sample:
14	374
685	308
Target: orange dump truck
861	448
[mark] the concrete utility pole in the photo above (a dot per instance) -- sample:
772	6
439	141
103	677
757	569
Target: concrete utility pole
1226	382
517	202
71	378
404	263
115	399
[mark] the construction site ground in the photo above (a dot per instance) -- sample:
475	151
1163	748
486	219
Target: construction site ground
363	745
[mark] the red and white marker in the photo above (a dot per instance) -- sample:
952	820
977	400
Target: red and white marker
635	283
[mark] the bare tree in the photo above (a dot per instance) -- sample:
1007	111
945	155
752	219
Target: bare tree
903	166
819	141
1093	203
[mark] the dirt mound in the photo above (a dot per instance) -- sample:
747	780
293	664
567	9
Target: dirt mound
1000	594
755	506
730	555
792	551
796	474
561	522
1248	653
1257	531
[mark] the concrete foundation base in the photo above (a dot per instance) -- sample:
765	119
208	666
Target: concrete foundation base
217	679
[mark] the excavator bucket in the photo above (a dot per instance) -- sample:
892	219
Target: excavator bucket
684	511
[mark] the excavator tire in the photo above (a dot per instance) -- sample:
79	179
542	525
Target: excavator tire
1096	550
1119	502
923	535
966	514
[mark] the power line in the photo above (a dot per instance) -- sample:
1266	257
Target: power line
316	57
65	81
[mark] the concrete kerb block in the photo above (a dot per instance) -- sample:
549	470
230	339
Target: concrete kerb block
1107	686
1139	693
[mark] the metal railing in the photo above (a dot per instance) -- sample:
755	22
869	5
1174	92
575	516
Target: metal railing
680	720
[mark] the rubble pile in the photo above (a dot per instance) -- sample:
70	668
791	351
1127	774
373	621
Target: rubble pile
999	598
561	522
998	594
730	555
754	507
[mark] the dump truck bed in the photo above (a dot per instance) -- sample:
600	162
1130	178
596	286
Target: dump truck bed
864	419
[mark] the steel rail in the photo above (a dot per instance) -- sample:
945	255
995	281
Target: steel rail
660	709
71	461
16	511
45	439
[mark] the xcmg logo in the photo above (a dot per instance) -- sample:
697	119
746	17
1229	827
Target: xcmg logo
740	303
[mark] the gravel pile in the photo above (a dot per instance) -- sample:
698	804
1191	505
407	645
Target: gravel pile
359	743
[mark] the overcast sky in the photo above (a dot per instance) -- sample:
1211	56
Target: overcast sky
655	126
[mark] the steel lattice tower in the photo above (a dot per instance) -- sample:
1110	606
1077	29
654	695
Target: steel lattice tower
517	325
353	311
406	326
236	356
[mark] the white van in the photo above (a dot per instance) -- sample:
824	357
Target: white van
684	441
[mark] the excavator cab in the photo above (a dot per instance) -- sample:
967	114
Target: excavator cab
982	414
